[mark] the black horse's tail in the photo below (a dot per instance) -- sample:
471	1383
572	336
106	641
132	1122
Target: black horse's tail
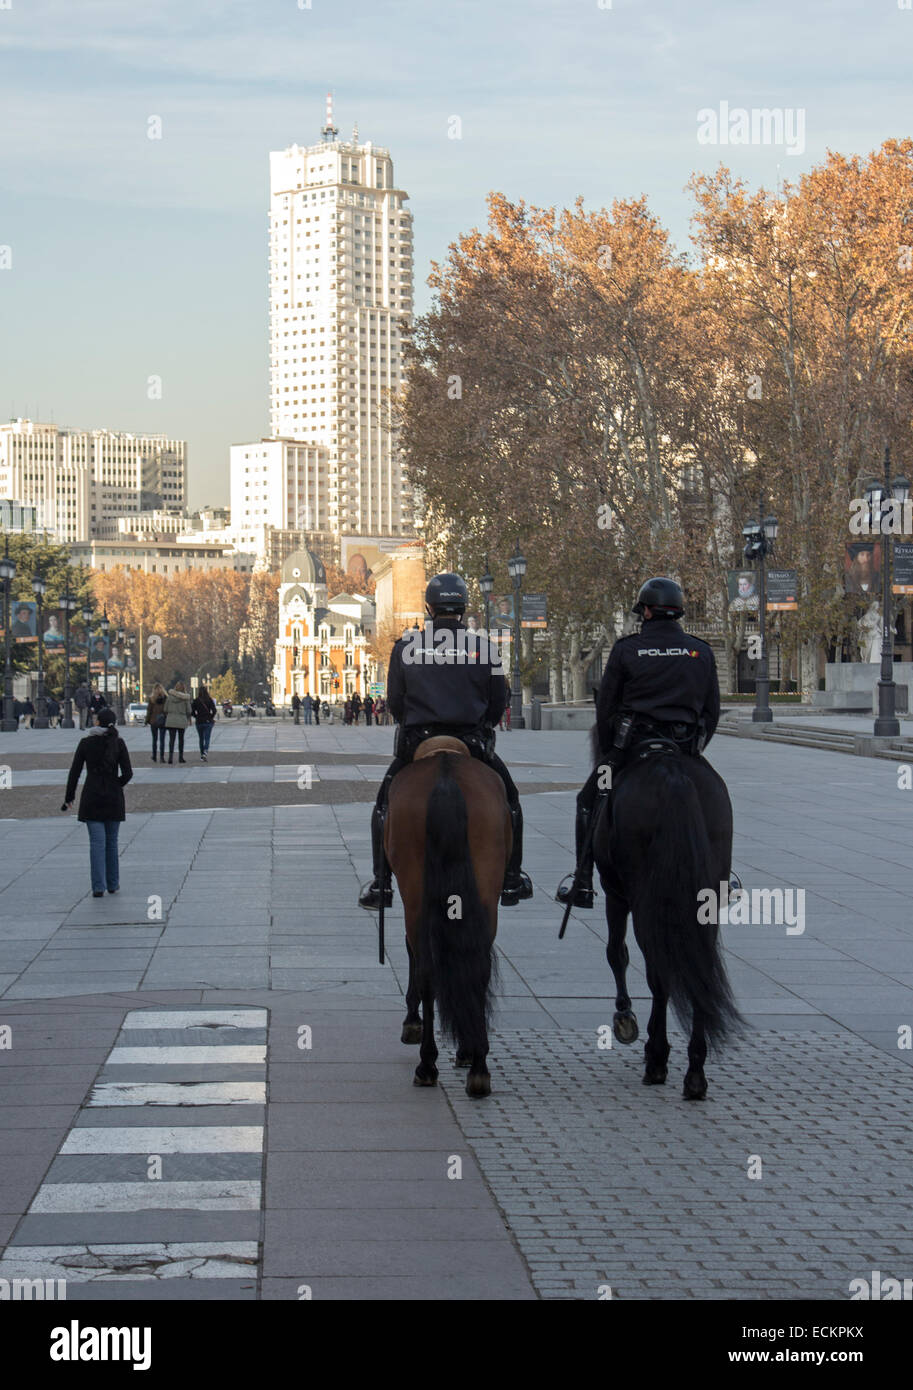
456	933
682	949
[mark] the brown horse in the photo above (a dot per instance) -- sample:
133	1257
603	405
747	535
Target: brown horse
447	838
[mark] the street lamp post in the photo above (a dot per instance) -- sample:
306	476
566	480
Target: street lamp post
486	584
879	494
67	605
760	536
105	626
516	568
40	588
121	674
9	724
87	619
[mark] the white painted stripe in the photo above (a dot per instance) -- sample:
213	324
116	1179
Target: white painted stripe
253	1053
225	1194
136	1260
192	1093
195	1018
165	1139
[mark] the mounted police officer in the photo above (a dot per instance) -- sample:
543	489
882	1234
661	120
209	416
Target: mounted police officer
446	680
658	683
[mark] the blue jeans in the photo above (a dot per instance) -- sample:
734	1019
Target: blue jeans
103	854
204	734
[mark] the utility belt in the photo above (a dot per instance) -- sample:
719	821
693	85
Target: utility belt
479	738
632	729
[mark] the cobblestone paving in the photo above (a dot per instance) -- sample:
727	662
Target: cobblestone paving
607	1182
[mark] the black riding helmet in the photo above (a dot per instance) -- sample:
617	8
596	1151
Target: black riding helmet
662	595
446	593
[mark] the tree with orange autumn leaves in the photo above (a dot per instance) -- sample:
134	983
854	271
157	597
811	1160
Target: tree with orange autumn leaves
619	407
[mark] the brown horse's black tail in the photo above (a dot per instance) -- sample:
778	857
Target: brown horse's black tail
455	943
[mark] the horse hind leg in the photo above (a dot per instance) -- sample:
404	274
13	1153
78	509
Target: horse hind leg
624	1023
412	1023
694	1086
426	1071
656	1048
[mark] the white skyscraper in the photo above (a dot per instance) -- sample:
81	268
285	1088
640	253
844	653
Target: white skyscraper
340	287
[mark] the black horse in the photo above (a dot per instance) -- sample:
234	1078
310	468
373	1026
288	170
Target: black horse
666	837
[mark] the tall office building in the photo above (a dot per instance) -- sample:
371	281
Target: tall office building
81	482
340	272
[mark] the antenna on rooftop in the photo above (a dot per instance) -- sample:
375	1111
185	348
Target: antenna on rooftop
329	131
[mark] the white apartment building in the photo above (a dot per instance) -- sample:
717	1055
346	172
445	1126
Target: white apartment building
81	482
340	276
281	483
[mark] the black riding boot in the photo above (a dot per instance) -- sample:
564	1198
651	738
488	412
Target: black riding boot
369	897
517	884
584	897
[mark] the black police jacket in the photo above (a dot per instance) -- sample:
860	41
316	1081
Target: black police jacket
662	673
443	674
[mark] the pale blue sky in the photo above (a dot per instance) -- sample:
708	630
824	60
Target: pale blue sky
134	257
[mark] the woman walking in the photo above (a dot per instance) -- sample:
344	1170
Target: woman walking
203	709
177	717
155	716
104	755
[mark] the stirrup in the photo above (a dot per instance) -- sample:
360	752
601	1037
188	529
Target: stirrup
516	886
584	897
369	897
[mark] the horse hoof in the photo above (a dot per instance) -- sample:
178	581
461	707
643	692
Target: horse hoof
624	1026
424	1078
478	1084
462	1059
655	1076
694	1086
412	1033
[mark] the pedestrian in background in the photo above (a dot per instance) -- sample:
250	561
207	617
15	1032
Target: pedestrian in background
203	709
369	711
307	704
347	712
356	707
296	708
155	718
104	755
177	717
315	707
53	709
81	701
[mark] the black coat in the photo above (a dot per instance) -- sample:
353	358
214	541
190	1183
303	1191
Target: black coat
203	710
463	688
103	795
663	673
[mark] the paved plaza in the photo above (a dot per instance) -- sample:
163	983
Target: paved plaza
204	1094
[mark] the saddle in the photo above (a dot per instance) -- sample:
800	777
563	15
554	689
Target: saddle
440	743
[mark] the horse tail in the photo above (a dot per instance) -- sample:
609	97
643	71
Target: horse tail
456	926
682	949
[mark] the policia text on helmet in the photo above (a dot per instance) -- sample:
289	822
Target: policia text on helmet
464	699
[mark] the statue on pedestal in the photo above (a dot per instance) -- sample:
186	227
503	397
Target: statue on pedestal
870	634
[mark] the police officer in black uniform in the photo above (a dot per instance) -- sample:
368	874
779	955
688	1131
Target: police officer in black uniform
657	682
442	681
